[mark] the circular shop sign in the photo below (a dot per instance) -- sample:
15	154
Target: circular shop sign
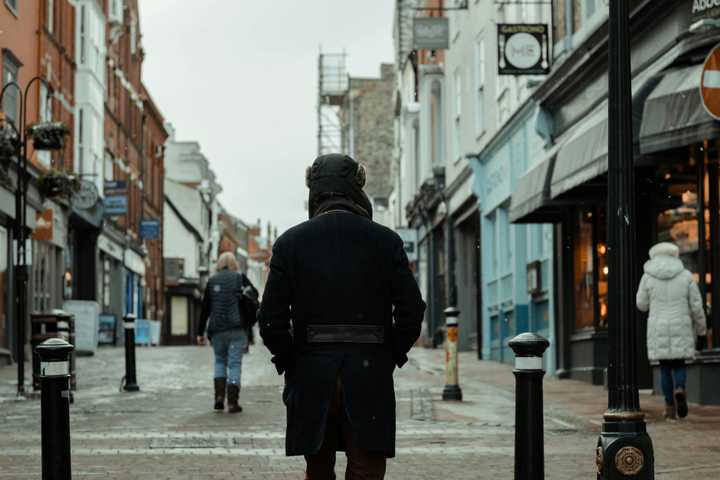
523	50
86	197
710	83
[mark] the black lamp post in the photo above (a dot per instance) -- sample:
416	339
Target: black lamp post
14	142
624	447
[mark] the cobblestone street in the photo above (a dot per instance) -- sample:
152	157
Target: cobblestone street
169	431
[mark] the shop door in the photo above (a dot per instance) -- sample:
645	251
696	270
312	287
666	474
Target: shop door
4	288
179	317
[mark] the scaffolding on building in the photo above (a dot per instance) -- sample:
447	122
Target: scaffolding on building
333	88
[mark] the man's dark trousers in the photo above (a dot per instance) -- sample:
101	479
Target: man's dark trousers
361	465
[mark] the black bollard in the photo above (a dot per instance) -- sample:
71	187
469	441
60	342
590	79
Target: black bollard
130	375
529	440
55	408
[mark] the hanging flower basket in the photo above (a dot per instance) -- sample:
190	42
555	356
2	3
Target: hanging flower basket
9	143
57	183
48	135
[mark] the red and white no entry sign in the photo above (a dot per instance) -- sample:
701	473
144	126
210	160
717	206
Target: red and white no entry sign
710	83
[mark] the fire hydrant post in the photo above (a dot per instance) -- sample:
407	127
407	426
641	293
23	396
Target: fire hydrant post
529	440
452	389
55	408
130	374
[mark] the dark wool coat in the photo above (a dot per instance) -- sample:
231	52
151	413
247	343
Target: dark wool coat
340	269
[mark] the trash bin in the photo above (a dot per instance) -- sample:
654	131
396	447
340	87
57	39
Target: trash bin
51	324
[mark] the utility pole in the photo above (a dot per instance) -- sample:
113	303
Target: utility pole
624	447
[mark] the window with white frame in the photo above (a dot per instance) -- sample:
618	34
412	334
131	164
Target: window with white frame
11	99
83	35
457	77
12	5
108	168
480	86
46	115
81	140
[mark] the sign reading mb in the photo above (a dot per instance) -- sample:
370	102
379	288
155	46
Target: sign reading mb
431	33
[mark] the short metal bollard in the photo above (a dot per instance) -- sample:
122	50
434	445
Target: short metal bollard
55	408
130	384
452	389
529	440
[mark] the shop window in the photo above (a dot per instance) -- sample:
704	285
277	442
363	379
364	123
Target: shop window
590	270
4	286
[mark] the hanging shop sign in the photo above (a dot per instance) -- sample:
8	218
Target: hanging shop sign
710	83
409	237
150	229
86	196
116	200
44	225
705	10
523	49
431	33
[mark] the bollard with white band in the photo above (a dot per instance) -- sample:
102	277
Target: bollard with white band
452	389
130	384
529	442
55	408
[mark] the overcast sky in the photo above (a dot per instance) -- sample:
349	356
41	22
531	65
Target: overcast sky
240	77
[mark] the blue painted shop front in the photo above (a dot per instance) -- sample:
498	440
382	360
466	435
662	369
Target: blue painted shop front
510	251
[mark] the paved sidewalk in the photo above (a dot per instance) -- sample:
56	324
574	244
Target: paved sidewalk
168	430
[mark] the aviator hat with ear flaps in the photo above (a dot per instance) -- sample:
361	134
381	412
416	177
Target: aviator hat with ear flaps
335	177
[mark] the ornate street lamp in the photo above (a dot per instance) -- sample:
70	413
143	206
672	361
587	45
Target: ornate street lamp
624	447
14	145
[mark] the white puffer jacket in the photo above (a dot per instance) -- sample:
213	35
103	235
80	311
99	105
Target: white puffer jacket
669	291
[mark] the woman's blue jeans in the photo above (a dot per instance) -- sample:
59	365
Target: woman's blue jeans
673	375
229	347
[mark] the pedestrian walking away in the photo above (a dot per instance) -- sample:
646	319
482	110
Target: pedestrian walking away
670	293
229	312
341	309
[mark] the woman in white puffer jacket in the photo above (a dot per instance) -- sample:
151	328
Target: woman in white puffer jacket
677	316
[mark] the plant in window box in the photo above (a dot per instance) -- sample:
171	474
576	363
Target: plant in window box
58	183
48	135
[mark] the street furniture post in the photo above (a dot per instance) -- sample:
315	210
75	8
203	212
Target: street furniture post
55	408
452	389
529	440
130	373
624	449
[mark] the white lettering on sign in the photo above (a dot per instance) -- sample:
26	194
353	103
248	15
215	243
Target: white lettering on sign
54	369
528	363
700	6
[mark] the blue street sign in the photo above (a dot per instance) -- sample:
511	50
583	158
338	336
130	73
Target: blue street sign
150	229
116	205
115	188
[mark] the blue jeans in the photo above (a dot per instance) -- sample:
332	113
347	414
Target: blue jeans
673	375
229	347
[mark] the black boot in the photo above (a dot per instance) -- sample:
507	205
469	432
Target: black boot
219	394
233	393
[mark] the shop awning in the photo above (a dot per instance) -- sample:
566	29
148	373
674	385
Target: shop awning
582	158
674	115
530	200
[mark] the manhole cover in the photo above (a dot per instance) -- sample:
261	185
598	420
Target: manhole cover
165	443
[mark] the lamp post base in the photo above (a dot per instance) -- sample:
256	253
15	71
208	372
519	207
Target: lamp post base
625	450
452	392
131	387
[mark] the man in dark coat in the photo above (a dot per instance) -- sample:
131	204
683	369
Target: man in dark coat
341	309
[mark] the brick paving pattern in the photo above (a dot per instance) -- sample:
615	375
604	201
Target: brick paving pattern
168	431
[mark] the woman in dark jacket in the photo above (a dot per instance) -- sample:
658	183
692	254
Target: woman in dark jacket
225	305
